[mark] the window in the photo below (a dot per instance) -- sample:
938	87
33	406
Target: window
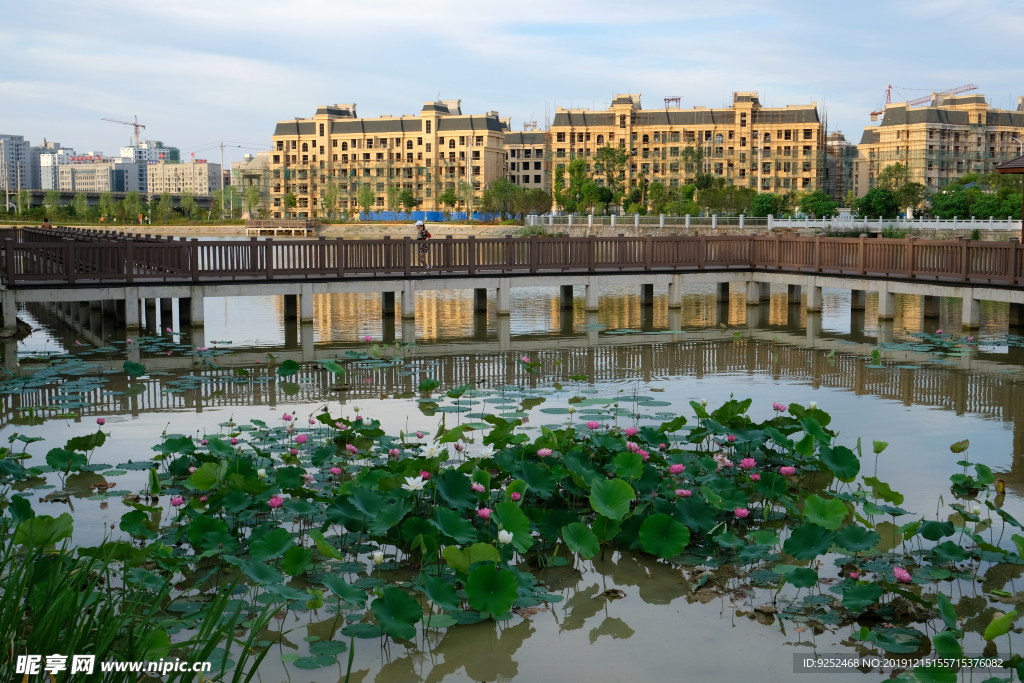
743	142
305	147
280	145
600	139
428	126
344	158
305	158
536	166
366	156
335	157
536	179
476	154
277	158
428	147
321	149
380	156
462	140
526	153
321	129
718	139
806	182
538	153
807	133
369	144
560	153
476	170
560	137
480	140
384	143
451	144
807	150
646	139
807	166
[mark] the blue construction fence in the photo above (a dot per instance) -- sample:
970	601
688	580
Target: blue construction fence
429	216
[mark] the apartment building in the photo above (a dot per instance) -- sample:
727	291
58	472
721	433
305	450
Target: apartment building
50	163
941	141
150	152
115	175
771	149
198	176
425	153
528	159
15	163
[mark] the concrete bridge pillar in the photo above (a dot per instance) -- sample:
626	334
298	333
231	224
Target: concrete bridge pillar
590	320
753	293
291	306
675	319
504	296
565	292
504	333
857	299
971	319
885	331
10	313
722	291
198	337
306	303
150	306
930	306
794	294
387	300
10	353
306	341
1016	315
196	310
108	308
408	330
480	300
480	326
766	292
84	309
886	304
387	329
814	298
131	309
647	295
813	327
592	295
408	302
675	292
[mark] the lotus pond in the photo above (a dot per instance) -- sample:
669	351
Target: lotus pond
651	509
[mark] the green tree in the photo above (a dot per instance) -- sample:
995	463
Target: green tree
657	198
106	205
165	207
132	204
877	201
51	202
448	198
394	195
81	205
187	204
893	177
502	196
253	198
692	159
467	195
24	201
290	201
611	162
767	203
539	201
850	199
910	195
818	204
408	200
366	197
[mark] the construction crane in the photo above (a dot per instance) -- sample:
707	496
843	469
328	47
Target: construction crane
670	100
134	124
920	100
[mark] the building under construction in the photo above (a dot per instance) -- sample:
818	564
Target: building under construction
949	137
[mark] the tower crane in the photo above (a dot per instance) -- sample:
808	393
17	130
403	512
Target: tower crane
920	100
136	125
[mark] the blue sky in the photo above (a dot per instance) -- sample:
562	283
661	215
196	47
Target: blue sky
197	72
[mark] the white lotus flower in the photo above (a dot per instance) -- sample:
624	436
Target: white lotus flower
504	537
413	484
813	405
430	452
378	557
704	402
261	473
487	452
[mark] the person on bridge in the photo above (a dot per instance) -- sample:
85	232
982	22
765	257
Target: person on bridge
422	236
46	224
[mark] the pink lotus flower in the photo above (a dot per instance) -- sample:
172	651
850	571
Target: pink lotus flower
684	493
425	476
301	439
276	501
177	501
359	418
787	471
309	478
286	417
204	348
419	435
394	452
170	331
367	380
731	438
234	441
342	427
742	513
661	446
779	407
484	513
78	343
459	447
202	499
293	451
367	338
100	421
203	442
970	339
312	421
516	496
901	574
632	447
477	486
748	463
339	425
676	469
129	341
631	431
335	471
351	448
525	359
644	454
191	470
543	452
722	461
755	477
593	425
938	331
854	575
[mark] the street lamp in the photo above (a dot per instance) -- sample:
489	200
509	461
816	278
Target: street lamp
1020	146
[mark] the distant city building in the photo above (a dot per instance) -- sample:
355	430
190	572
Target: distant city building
425	153
528	156
36	156
49	163
252	170
940	142
112	175
147	153
770	149
196	176
15	163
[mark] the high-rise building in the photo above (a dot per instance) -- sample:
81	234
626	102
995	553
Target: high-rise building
36	157
112	175
49	164
939	142
197	176
15	163
427	153
528	159
147	153
768	148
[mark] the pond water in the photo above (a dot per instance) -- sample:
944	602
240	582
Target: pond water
921	392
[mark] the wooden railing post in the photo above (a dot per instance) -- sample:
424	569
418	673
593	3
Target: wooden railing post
648	246
471	257
817	253
778	252
447	253
592	253
407	250
533	253
268	246
862	254
129	260
509	256
702	250
10	260
387	253
339	257
964	258
69	263
1011	267
193	257
908	256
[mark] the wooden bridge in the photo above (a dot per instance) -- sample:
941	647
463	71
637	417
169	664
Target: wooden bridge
76	265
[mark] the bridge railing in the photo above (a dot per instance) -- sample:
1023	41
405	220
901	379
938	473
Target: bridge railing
31	259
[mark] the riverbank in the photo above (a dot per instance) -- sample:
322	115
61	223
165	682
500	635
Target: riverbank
346	230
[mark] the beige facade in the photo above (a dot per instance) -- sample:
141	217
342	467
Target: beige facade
426	153
109	176
940	142
528	159
199	177
771	149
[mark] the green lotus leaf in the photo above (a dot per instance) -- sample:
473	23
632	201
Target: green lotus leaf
933	530
580	539
451	523
950	551
802	577
511	518
288	368
947	645
611	498
828	513
861	596
345	591
397	613
296	560
808	541
133	369
271	545
663	536
455	487
937	673
605	529
857	539
628	465
461	559
65	461
260	572
842	461
489	589
440	592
